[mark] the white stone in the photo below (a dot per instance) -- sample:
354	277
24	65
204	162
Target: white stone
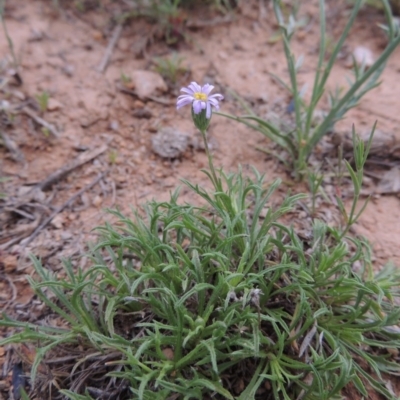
147	83
363	56
53	105
58	221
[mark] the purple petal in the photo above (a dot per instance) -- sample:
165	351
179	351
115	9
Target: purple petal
208	111
186	90
183	102
195	87
197	106
185	96
207	88
216	96
214	104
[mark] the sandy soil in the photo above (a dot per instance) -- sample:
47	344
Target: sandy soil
59	52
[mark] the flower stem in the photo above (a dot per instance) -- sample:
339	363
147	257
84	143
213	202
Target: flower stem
216	182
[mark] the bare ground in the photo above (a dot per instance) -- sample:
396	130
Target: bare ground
106	128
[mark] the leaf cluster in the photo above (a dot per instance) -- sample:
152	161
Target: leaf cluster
223	301
300	140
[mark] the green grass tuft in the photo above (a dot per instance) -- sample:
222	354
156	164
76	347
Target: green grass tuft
224	301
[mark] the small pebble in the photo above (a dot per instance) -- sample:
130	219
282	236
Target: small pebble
363	56
57	222
147	83
53	105
138	104
142	113
68	69
66	235
114	125
10	263
97	201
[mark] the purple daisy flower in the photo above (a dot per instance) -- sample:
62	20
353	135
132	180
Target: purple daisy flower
200	97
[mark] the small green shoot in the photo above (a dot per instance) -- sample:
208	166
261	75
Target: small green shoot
167	14
3	179
170	68
45	131
315	180
43	101
113	156
356	174
126	80
83	5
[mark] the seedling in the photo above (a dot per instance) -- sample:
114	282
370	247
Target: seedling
170	68
112	157
126	80
2	179
315	180
45	131
43	101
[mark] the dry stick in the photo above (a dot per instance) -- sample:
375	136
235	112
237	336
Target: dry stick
41	121
20	212
110	48
64	171
11	147
21	232
61	208
55	177
198	24
11	242
13	289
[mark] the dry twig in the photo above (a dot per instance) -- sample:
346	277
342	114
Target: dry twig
12	147
51	128
20	232
13	291
67	169
199	24
110	48
62	207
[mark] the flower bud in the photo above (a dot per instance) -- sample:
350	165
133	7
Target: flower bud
200	120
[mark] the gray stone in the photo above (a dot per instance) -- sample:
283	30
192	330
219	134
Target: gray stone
169	143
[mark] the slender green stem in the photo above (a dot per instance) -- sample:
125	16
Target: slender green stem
332	116
216	182
317	90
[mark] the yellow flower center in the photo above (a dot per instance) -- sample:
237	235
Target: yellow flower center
200	96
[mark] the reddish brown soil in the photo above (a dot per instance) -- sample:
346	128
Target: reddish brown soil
59	52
